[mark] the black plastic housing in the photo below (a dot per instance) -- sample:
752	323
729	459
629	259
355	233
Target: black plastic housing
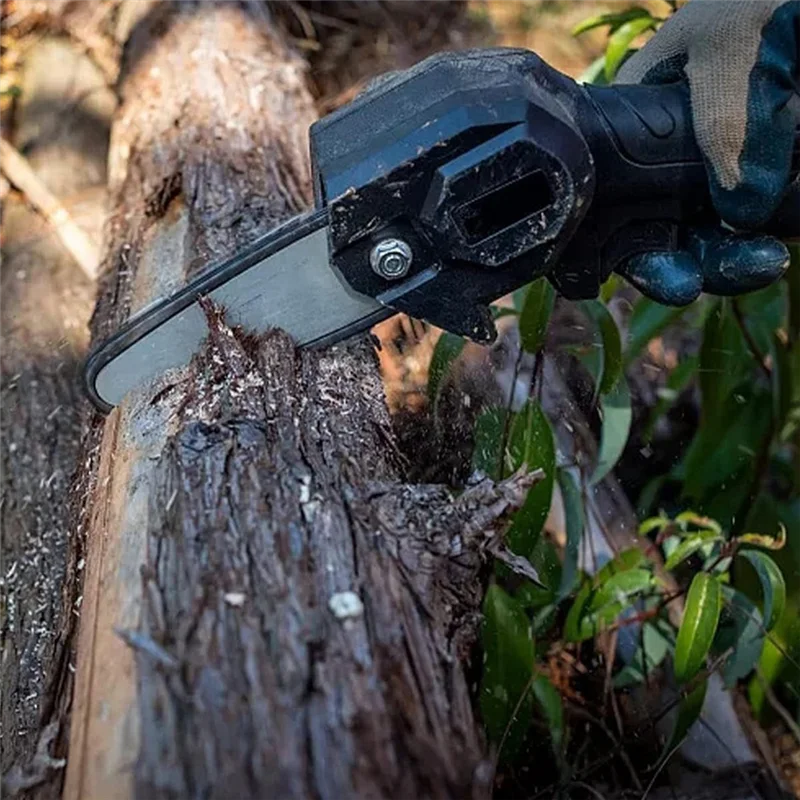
497	169
474	160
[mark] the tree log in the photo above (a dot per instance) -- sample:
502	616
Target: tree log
62	120
268	610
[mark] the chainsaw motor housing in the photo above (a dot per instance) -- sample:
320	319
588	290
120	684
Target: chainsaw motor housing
473	161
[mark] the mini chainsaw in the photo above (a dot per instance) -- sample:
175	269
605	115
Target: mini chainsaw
438	190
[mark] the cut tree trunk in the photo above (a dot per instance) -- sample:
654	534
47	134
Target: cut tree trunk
62	124
268	610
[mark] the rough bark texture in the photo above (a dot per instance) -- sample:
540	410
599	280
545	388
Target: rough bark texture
62	125
268	611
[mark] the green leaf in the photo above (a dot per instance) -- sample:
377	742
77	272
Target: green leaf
627	559
654	524
489	432
610	287
764	312
549	701
724	358
620	588
620	41
782	379
722	458
698	627
595	72
611	600
547	564
655	645
773	587
518	297
689	711
614	19
531	442
689	546
617	415
573	631
780	658
793	291
535	315
595	622
448	349
600	601
573	514
611	370
647	321
508	668
740	628
762	540
701	521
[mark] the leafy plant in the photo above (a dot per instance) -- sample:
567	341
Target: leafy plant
623	28
743	465
739	474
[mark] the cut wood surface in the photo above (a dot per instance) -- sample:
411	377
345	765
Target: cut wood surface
62	124
268	610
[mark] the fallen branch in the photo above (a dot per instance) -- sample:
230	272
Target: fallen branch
20	173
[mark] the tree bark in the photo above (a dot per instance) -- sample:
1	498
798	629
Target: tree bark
268	610
62	120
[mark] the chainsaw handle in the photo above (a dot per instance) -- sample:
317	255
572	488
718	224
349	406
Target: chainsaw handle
653	127
494	169
651	182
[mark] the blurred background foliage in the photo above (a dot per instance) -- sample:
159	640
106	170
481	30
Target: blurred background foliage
698	412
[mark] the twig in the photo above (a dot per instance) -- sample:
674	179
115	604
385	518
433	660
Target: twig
19	172
777	706
660	770
511	719
618	744
507	420
587	533
751	342
765	633
736	763
611	649
587	788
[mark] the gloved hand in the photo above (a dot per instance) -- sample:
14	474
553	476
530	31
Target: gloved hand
740	59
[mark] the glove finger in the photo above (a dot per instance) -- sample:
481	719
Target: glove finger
740	106
740	60
732	264
671	278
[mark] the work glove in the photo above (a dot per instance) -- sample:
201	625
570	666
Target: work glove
740	60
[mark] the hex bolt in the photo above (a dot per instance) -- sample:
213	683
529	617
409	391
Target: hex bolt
391	258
